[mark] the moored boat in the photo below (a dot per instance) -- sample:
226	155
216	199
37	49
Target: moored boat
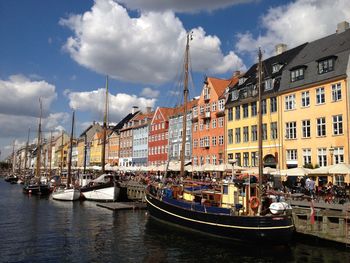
66	194
104	188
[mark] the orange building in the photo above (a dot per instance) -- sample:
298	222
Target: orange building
208	128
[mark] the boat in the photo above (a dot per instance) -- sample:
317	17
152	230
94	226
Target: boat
106	187
11	178
37	185
237	210
68	192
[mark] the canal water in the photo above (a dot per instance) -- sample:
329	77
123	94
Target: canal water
34	229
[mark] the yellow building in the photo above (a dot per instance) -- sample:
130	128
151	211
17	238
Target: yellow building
96	149
314	104
242	110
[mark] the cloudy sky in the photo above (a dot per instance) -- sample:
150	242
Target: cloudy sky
61	52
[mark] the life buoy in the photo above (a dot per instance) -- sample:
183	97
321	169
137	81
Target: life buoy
254	202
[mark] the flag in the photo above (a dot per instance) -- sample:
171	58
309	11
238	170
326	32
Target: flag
312	215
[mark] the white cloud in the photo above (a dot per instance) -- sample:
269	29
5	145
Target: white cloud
181	5
295	23
119	104
146	49
20	96
149	93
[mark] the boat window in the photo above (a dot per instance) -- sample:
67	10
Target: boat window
225	189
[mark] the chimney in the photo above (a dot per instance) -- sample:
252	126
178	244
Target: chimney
342	27
280	48
148	109
134	109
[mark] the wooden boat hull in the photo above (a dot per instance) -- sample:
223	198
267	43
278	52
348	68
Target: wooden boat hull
251	229
102	193
35	189
66	194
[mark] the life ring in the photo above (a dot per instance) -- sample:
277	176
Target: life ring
254	202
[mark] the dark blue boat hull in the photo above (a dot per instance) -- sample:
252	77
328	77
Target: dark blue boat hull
251	229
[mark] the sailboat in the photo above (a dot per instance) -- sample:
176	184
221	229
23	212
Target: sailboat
217	210
38	185
105	187
68	193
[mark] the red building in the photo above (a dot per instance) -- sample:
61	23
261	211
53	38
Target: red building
158	137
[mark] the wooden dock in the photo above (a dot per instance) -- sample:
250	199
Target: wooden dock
332	221
123	206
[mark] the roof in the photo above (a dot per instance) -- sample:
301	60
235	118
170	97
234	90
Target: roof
250	76
180	109
125	120
337	45
219	85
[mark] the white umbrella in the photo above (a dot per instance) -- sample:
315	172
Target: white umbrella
340	168
298	171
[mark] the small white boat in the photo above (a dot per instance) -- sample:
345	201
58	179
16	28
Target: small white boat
66	194
104	188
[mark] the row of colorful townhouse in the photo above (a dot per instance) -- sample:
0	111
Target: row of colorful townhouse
305	108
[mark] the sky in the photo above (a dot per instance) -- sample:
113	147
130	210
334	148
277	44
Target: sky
62	51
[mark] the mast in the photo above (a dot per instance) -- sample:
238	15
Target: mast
50	154
62	153
26	152
38	154
70	153
85	151
184	120
103	156
13	157
260	130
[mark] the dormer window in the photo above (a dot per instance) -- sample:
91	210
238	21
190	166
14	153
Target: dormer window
241	81
297	73
269	84
326	64
276	67
235	94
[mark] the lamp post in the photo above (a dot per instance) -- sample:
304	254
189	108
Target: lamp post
331	152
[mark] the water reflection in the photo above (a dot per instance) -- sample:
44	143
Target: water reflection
34	229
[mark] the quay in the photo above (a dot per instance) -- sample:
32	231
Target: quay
123	206
331	221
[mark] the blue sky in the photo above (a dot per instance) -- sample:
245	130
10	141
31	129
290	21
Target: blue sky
62	50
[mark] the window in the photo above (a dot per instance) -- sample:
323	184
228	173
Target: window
297	74
290	102
214	160
201	125
320	96
338	155
221	140
221	105
263	107
213	141
245	111
321	126
306	128
273	104
230	136
195	127
195	111
221	122
238	159
238	135
245	134
238	112
291	130
253	109
305	99
274	134
207	124
306	156
230	114
326	65
269	84
254	133
254	158
292	155
276	67
336	92
195	143
245	159
213	123
337	124
322	156
213	106
264	131
207	107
